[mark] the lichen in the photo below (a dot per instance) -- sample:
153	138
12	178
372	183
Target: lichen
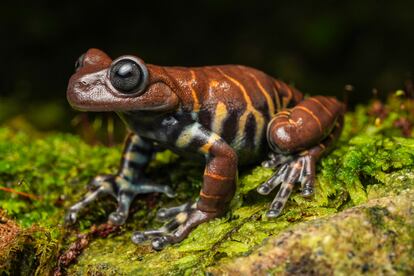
372	160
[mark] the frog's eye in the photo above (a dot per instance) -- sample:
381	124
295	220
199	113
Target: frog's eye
79	62
128	77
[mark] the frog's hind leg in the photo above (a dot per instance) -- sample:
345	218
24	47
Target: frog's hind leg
298	138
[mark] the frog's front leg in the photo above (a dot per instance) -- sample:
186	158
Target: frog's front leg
298	137
217	190
126	184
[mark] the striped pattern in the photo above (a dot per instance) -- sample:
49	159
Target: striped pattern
250	109
136	156
235	102
226	114
196	103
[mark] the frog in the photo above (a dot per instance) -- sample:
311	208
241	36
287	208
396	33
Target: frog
224	116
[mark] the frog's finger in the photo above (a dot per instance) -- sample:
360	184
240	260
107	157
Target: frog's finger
307	177
168	213
142	236
280	200
295	171
308	186
175	230
72	214
186	224
125	199
147	188
139	237
275	160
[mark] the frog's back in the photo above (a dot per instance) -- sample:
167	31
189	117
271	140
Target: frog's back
234	101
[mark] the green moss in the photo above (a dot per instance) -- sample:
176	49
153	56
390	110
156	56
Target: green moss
371	160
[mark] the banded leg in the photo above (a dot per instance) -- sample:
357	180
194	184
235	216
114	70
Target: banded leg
299	146
125	185
217	190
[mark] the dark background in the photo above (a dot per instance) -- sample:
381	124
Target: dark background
317	46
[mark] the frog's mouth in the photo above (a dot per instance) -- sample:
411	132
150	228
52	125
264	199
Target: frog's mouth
93	87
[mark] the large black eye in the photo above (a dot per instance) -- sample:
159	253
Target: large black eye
79	62
127	76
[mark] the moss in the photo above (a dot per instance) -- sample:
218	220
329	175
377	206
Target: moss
370	161
24	251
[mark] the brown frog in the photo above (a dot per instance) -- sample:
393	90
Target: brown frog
225	116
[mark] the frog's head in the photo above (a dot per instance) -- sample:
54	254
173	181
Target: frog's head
124	84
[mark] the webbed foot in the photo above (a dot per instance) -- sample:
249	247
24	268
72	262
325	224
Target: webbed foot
182	220
121	189
292	169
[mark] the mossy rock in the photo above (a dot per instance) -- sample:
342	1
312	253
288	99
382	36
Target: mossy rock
374	238
45	174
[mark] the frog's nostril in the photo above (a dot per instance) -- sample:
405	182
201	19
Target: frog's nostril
80	86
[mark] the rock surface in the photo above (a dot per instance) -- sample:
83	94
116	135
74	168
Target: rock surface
375	238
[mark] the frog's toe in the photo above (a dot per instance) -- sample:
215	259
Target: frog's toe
275	160
276	207
274	181
160	243
273	213
118	218
307	192
139	237
299	169
307	176
71	217
169	192
308	187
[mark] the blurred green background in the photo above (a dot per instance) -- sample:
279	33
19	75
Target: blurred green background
319	46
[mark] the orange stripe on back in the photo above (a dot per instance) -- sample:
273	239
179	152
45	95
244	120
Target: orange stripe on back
312	115
196	104
269	100
323	107
249	109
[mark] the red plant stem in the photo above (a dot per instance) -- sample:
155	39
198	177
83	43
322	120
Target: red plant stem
10	190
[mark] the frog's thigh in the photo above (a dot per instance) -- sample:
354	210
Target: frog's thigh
305	125
221	167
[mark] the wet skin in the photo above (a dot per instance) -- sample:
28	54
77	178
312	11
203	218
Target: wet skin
227	115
